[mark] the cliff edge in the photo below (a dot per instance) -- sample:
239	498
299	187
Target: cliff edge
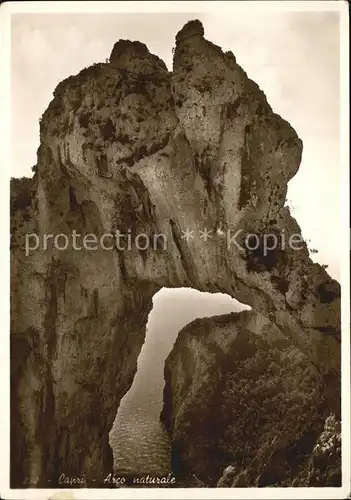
245	408
128	152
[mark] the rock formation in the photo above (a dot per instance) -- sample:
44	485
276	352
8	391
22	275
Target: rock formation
129	146
238	392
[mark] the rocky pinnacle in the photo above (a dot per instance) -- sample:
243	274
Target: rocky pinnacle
129	146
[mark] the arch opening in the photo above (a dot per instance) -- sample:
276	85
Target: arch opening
140	443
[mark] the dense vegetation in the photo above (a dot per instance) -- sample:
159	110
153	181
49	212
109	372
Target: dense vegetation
262	411
21	191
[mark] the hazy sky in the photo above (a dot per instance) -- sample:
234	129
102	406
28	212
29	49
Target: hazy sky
293	56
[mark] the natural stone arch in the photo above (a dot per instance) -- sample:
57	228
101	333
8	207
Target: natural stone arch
142	150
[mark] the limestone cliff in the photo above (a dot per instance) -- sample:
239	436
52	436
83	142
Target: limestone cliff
245	407
129	146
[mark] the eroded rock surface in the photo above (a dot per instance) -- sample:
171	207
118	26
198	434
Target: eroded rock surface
245	408
130	146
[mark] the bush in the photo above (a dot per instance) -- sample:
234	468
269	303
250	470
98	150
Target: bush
21	193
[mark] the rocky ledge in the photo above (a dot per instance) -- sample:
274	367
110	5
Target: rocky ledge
128	146
245	408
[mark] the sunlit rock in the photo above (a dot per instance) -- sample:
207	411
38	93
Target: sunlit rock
128	146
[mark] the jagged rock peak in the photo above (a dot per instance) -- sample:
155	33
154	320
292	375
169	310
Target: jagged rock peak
135	56
191	45
191	28
127	145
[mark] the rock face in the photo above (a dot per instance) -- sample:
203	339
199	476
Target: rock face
238	392
129	146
